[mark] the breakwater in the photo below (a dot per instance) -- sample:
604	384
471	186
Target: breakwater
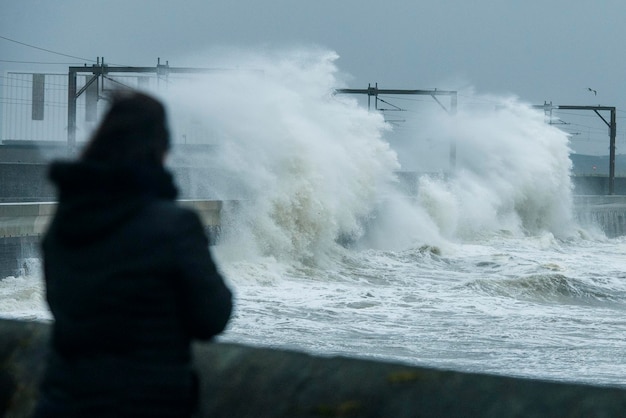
244	381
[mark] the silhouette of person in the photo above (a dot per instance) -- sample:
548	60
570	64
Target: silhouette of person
129	276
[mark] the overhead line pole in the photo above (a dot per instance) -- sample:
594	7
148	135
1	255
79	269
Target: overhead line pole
612	131
101	70
375	91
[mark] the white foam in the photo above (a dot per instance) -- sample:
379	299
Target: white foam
310	167
23	296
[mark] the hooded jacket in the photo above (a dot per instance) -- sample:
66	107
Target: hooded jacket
130	283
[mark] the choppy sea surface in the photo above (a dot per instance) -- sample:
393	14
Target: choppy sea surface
534	307
479	267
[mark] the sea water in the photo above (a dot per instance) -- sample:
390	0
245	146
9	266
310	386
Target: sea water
482	268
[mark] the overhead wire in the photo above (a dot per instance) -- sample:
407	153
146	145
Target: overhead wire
51	52
568	127
45	49
40	62
478	100
117	82
26	80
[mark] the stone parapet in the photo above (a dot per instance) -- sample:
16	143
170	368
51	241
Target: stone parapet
242	381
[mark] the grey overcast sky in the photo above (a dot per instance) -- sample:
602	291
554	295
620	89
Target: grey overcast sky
538	50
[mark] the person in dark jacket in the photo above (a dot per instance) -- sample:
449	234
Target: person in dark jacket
129	277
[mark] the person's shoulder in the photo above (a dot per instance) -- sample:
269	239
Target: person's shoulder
173	222
171	208
171	213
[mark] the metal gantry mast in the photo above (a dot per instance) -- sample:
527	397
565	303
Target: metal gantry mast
548	107
375	91
101	70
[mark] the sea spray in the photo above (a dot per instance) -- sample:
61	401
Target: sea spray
456	278
512	174
308	166
311	170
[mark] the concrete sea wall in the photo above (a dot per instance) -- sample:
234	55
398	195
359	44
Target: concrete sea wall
608	213
22	225
242	381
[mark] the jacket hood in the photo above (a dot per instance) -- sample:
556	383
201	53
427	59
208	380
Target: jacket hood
94	198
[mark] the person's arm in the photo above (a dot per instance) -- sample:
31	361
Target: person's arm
207	302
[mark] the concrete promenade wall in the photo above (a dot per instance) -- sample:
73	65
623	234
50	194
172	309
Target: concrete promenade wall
22	224
242	381
24	180
605	212
27	182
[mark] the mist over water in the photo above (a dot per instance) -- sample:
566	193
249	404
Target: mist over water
307	166
312	169
512	174
480	268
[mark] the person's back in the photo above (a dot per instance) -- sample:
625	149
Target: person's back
129	280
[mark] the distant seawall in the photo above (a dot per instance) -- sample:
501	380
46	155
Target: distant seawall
242	381
25	196
607	213
26	181
21	224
